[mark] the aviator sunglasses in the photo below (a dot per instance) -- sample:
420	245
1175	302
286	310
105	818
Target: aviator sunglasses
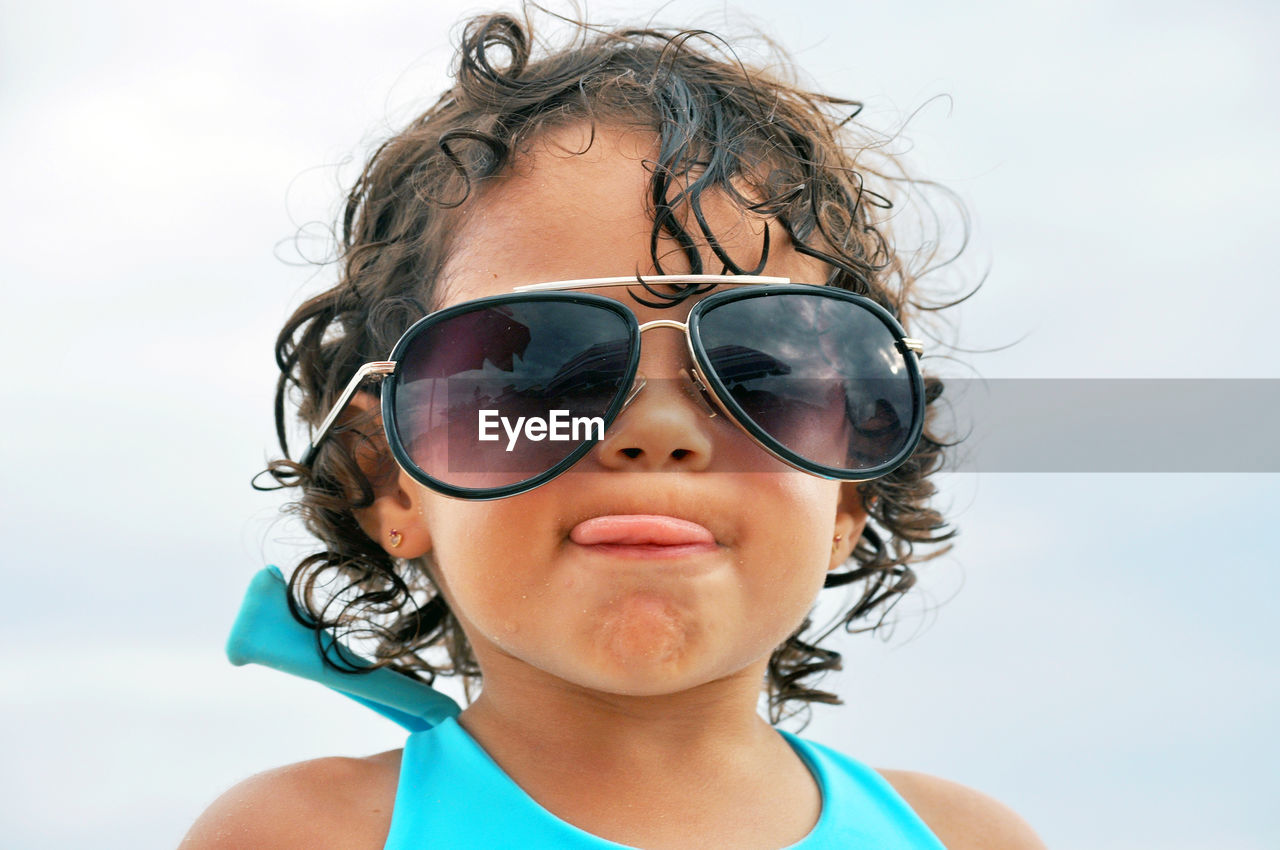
494	397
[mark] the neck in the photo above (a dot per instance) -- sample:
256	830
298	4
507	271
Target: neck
522	707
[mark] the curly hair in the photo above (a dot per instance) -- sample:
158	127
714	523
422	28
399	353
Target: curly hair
795	157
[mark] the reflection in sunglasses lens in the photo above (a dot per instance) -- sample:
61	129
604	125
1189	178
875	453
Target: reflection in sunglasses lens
474	387
819	376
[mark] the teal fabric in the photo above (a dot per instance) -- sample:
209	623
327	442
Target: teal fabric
452	794
266	633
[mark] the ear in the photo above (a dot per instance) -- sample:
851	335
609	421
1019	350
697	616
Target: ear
395	520
851	518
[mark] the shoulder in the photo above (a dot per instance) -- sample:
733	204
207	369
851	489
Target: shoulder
961	817
326	803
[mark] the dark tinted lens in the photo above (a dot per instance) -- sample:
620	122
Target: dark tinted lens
819	375
500	394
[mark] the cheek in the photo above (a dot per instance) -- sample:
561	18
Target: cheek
790	542
486	558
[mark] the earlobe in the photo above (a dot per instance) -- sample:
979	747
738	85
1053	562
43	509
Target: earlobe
851	518
395	520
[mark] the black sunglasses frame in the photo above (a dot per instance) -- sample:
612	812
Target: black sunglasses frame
703	374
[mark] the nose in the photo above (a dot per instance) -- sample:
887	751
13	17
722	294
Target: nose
666	427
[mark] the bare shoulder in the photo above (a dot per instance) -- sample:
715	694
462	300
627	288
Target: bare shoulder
962	818
327	803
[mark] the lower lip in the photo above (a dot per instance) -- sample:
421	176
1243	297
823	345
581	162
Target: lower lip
650	551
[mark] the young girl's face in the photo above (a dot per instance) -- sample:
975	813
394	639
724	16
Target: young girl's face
539	600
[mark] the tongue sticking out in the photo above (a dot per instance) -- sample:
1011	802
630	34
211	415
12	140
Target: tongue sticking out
640	530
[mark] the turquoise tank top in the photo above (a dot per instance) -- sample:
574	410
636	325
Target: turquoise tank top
453	795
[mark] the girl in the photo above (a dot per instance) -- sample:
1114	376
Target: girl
661	397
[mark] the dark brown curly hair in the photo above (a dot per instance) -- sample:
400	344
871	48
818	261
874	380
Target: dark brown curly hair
795	157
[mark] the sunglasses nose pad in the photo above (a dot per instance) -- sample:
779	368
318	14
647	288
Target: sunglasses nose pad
703	396
635	391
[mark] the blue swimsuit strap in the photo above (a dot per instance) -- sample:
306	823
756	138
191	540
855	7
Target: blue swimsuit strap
266	633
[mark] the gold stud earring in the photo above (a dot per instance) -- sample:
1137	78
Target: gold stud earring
396	539
835	544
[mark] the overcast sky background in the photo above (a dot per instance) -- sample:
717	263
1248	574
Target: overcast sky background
1099	651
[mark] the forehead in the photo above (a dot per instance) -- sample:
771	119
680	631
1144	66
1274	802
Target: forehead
575	205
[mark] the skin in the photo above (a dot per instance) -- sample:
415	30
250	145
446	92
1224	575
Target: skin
620	693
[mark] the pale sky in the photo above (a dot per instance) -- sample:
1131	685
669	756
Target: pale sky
1099	651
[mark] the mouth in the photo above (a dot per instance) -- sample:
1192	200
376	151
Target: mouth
643	536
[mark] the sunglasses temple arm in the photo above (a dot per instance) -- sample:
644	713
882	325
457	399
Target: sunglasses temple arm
378	367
